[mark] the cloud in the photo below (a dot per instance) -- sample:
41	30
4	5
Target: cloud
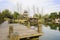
32	2
40	3
0	0
47	5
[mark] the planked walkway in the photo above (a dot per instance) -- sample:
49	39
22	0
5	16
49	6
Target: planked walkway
22	31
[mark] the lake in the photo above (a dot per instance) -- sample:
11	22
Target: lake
50	33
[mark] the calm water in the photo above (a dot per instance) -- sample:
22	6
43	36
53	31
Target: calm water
50	33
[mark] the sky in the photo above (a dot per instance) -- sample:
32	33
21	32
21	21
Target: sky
44	6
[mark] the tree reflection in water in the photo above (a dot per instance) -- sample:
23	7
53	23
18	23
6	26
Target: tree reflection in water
54	26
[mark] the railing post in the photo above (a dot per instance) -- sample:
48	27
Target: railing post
10	30
14	36
28	24
39	27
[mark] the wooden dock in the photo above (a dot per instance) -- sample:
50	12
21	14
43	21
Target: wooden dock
20	30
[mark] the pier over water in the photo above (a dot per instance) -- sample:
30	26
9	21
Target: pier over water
19	32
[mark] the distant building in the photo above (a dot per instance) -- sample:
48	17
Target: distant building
25	14
33	21
57	20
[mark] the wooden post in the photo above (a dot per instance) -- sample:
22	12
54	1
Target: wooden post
14	36
39	27
28	25
10	30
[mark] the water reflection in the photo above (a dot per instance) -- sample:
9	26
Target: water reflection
54	26
51	32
